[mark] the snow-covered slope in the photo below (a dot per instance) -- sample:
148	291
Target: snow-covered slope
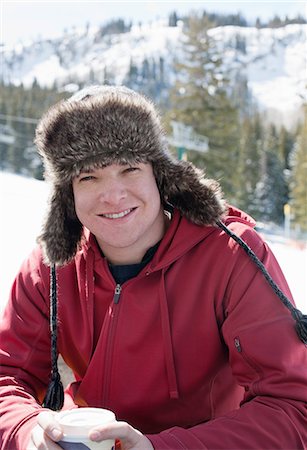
274	60
23	203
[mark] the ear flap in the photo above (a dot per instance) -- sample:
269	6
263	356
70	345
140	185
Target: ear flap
184	186
62	230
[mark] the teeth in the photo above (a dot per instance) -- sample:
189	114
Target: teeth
117	215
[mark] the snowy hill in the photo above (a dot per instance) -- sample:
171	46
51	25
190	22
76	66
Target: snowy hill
23	201
273	60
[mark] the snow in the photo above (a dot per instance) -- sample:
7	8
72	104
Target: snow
42	70
23	203
274	62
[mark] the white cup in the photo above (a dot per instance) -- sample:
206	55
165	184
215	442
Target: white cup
76	424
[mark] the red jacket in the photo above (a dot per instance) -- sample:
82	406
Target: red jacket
198	352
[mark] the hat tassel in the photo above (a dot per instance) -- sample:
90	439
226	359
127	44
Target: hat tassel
54	398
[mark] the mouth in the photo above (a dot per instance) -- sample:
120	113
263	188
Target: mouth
118	215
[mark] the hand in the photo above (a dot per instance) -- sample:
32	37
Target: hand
45	433
130	438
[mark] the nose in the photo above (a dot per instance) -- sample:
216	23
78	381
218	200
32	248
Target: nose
112	192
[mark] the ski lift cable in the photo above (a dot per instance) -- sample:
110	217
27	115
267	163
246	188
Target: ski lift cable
19	119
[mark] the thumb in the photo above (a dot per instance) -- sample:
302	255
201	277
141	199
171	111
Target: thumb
47	421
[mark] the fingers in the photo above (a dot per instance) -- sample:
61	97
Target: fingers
49	424
120	430
45	433
129	437
40	441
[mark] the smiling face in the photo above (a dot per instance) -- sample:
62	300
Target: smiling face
121	206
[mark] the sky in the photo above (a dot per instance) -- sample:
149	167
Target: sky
21	21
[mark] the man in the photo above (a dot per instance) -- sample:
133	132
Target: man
163	313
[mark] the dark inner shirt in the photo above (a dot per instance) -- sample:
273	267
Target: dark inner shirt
123	272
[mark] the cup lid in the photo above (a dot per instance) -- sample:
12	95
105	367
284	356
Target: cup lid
77	422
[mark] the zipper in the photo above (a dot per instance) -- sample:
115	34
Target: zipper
117	293
246	358
109	350
238	344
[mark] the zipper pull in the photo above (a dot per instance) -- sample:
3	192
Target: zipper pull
238	345
117	292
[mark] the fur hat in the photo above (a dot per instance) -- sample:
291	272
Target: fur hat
99	126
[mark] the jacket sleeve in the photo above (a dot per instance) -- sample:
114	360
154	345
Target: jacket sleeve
268	360
24	355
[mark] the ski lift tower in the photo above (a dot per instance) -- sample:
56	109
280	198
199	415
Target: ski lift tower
184	138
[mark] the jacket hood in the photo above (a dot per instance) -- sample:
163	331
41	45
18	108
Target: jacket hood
236	215
178	243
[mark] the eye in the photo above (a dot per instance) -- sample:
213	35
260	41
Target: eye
86	178
131	169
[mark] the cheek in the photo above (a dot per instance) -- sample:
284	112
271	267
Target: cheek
81	203
149	188
154	195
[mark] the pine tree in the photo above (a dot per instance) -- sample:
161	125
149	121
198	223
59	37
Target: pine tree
248	170
285	146
201	99
172	19
161	70
21	109
271	192
298	186
132	75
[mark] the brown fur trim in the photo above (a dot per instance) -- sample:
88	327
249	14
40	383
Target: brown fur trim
62	230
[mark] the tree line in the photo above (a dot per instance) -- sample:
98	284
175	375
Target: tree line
261	167
117	26
237	19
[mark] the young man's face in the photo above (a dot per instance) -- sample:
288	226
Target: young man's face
120	205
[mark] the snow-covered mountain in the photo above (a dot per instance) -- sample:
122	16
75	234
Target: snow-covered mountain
274	60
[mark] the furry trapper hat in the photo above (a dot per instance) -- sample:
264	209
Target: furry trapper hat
99	126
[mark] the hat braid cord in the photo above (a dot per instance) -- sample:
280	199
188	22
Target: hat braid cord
54	398
299	317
